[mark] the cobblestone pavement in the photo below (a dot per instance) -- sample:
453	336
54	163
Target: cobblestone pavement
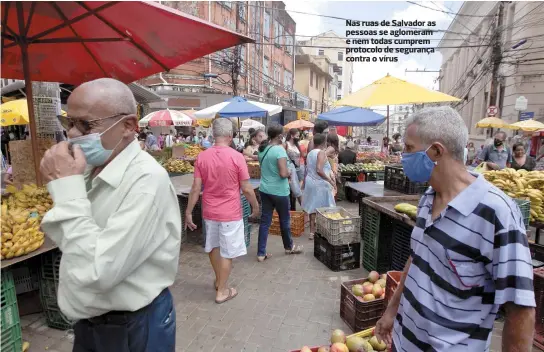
283	303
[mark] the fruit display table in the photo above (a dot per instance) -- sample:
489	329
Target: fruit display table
372	189
48	245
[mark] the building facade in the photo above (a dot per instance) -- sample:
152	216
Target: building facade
468	61
314	77
264	71
327	44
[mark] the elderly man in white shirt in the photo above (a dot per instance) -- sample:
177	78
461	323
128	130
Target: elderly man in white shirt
117	221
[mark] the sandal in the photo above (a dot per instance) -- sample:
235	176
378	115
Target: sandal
311	237
228	298
297	249
263	258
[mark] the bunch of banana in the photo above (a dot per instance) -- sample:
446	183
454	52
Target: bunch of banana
408	209
192	151
521	184
20	233
177	165
29	197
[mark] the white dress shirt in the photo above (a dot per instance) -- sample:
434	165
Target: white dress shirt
119	233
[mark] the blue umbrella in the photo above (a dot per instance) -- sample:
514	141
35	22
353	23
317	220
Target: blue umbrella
238	107
352	116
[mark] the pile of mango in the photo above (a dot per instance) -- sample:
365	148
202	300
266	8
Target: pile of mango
521	184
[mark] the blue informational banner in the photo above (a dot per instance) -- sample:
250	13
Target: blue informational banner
526	115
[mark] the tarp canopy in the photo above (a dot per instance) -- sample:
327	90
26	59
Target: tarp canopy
491	122
527	125
351	116
247	124
238	107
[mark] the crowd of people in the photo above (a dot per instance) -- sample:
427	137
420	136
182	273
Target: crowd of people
149	142
498	154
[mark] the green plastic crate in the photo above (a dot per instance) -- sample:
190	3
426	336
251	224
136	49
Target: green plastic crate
49	282
10	321
376	237
525	207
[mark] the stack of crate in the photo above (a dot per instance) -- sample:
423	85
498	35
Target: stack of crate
337	242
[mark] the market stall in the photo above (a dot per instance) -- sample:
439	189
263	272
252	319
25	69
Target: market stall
39	40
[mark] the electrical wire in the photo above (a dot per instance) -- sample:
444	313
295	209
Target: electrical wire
447	12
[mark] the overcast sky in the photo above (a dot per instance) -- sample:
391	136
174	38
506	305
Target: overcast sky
366	73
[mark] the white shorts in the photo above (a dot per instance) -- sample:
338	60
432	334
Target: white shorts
228	236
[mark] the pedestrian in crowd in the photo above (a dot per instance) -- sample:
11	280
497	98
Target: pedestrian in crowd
221	172
320	126
471	153
274	191
385	145
333	147
396	147
169	140
521	160
251	148
348	155
469	251
540	153
303	145
294	152
160	141
319	184
151	142
497	155
369	140
117	223
207	143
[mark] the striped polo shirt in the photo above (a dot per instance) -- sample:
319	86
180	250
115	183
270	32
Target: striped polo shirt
468	262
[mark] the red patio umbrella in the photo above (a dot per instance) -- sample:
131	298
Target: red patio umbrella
74	42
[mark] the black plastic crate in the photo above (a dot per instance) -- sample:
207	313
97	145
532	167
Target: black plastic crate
537	254
49	282
373	176
377	240
396	180
183	201
402	234
337	258
246	209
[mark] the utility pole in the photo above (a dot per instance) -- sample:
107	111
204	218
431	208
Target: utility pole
235	68
323	100
496	56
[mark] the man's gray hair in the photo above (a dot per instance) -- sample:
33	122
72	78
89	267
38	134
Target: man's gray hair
222	127
441	124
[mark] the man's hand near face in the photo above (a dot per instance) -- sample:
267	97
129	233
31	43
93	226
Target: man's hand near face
60	161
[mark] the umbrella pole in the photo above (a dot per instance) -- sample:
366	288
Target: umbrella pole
387	121
32	121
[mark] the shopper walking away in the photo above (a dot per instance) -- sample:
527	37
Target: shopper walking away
333	146
471	153
169	140
318	185
274	192
320	126
497	155
521	160
116	220
469	251
223	172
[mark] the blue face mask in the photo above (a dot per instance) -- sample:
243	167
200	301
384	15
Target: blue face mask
91	145
417	166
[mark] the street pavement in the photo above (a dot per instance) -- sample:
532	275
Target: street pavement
284	303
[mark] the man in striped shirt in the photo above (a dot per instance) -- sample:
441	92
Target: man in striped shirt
469	252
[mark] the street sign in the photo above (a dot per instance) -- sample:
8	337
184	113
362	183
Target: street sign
526	115
492	111
521	104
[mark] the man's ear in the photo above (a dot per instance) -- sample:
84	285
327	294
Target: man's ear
131	124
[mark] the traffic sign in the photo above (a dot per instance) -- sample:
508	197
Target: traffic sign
492	111
526	115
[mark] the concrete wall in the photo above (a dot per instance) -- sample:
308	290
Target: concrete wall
466	71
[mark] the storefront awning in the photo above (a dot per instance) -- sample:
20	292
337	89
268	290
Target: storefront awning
144	95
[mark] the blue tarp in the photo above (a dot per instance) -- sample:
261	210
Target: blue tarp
351	116
240	107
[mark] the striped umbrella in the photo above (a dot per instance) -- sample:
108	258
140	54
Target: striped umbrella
166	117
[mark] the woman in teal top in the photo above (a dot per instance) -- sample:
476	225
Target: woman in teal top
274	191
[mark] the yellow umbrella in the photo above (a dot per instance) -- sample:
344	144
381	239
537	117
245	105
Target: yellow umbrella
491	122
393	91
15	112
527	125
